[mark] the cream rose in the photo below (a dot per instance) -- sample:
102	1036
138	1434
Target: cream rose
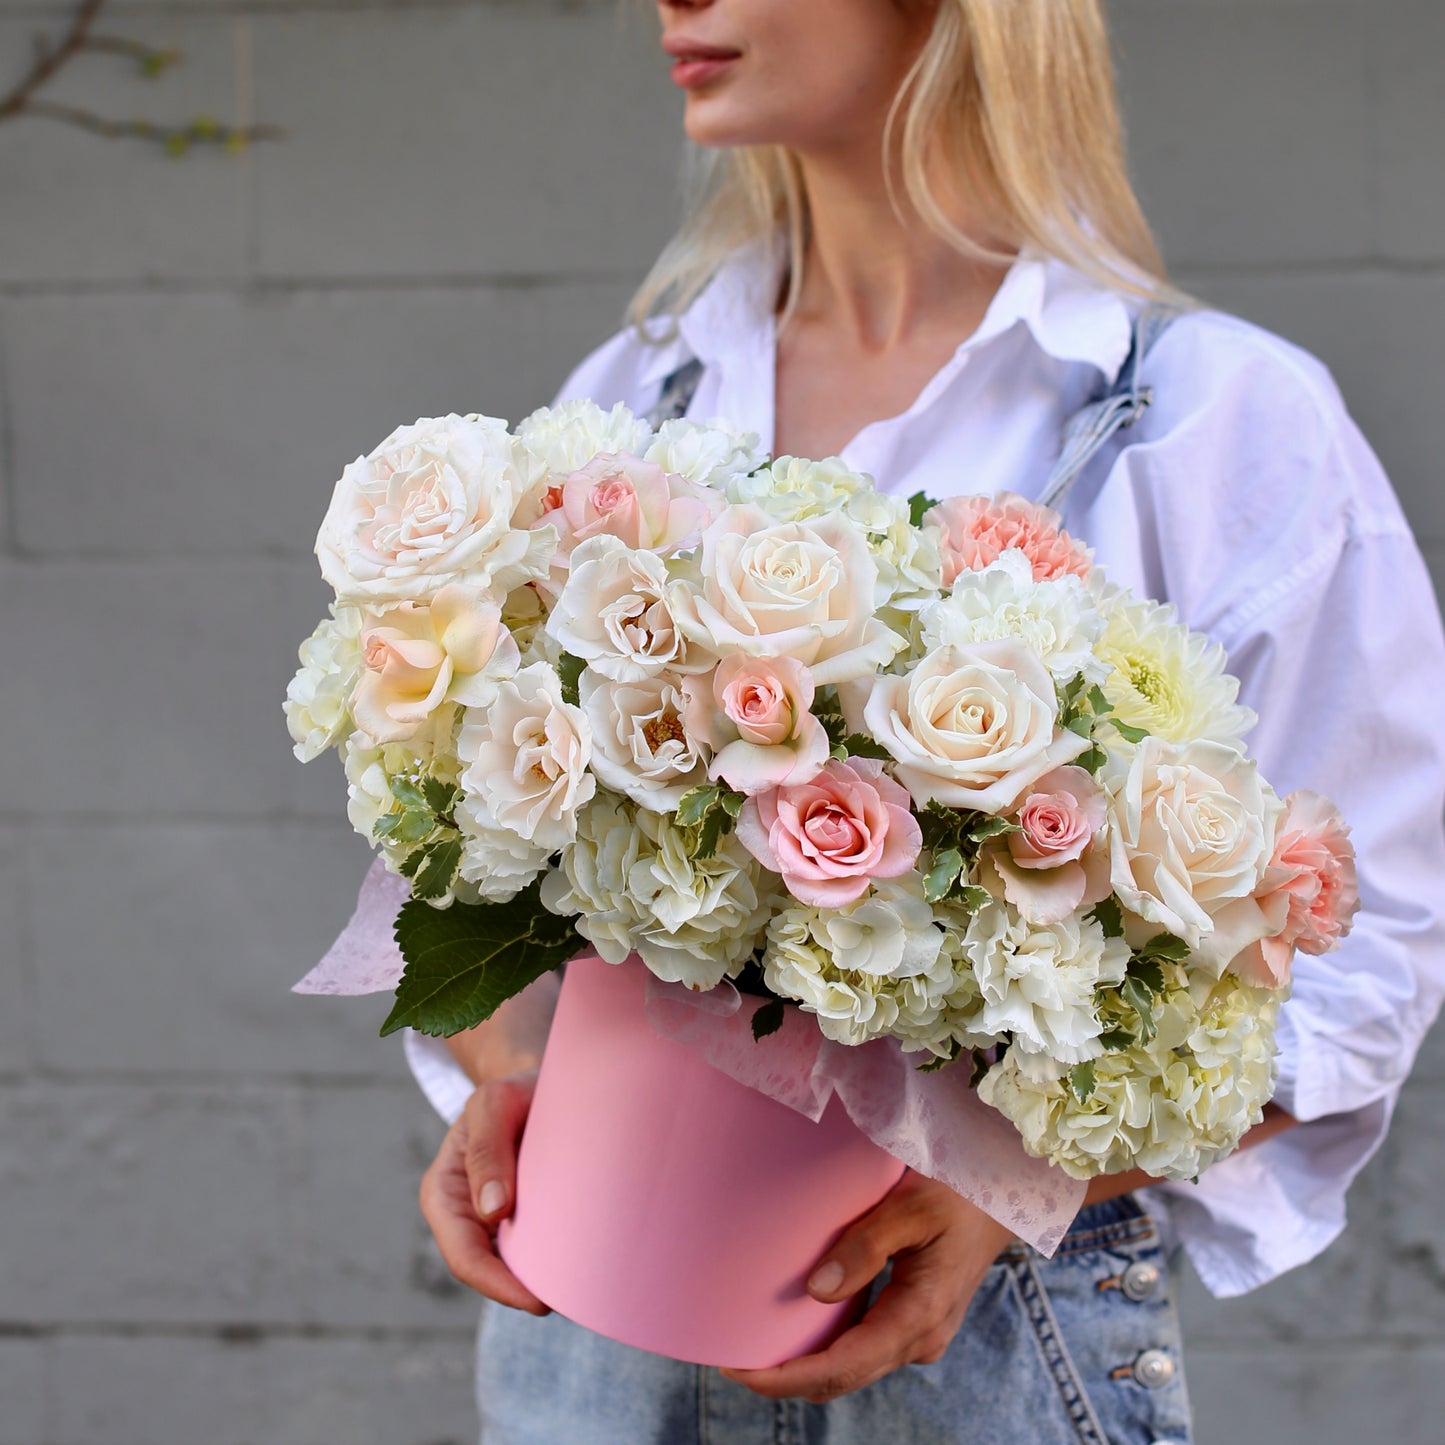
797	589
1194	827
972	726
432	504
526	759
641	747
417	657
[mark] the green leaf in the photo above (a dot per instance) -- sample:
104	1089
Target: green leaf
768	1019
1117	1037
1165	948
440	796
918	504
385	825
1148	973
834	726
408	793
943	875
414	824
1109	915
463	962
569	669
1092	760
972	898
696	804
1142	1002
935	1062
860	745
990	827
1081	723
411	863
714	827
1082	1081
435	875
732	804
1128	731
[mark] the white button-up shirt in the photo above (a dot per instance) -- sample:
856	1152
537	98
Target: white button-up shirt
1248	498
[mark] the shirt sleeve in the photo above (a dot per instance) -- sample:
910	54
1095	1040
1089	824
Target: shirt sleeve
1341	655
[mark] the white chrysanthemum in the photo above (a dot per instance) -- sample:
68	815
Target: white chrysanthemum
318	698
1057	617
640	746
556	441
793	489
370	771
871	969
712	455
1037	981
1170	1107
631	878
1166	679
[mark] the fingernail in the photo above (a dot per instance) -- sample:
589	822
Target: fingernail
826	1278
493	1196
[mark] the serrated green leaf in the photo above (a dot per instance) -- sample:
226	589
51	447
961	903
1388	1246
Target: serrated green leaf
732	804
412	863
1092	760
1081	724
987	828
972	898
918	504
710	834
943	875
834	726
463	962
408	793
860	745
696	804
434	878
1166	948
1116	1038
1142	1002
935	1062
414	824
1109	915
439	796
1082	1081
569	669
1148	973
385	825
768	1018
1128	731
1098	701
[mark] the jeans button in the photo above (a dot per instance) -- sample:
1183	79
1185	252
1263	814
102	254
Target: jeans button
1154	1369
1139	1280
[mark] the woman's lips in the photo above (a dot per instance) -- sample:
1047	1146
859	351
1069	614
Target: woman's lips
690	73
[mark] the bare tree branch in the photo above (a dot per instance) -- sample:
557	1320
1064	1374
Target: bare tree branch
51	59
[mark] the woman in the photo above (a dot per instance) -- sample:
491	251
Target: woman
919	250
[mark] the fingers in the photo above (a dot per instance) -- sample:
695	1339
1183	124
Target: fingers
494	1118
901	1221
464	1241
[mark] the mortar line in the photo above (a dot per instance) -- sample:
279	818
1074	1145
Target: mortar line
9	491
240	1334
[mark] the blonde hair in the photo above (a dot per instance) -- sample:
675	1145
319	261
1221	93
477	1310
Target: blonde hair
1016	98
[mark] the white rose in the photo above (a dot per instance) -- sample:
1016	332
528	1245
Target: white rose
1037	982
614	614
1194	828
432	504
1056	617
798	589
526	759
971	726
630	878
712	455
318	698
641	747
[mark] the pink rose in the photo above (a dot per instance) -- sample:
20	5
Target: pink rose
754	714
1047	868
832	836
977	529
619	495
1311	883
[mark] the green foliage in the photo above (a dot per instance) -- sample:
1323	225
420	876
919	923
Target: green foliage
1109	915
464	962
768	1018
953	839
708	813
918	504
569	669
1082	1081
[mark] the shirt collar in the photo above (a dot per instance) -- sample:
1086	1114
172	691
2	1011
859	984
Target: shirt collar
1070	316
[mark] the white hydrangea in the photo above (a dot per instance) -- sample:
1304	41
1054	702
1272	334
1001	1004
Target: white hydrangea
793	489
712	455
1037	981
1164	678
555	441
1170	1107
910	568
631	878
318	698
873	968
1057	617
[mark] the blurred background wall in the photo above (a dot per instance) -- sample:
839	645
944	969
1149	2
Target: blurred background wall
208	1222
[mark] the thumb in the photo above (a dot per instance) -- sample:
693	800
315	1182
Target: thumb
858	1256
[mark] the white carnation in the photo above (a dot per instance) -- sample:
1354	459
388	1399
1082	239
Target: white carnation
713	455
318	698
1057	617
632	880
793	489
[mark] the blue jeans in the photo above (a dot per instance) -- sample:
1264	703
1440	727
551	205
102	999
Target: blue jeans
1080	1348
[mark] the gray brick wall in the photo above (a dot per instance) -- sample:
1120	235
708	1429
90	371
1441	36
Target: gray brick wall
208	1229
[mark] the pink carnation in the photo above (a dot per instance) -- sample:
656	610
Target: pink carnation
1311	881
831	836
977	529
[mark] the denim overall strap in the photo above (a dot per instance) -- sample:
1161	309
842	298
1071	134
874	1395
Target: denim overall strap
1121	405
678	388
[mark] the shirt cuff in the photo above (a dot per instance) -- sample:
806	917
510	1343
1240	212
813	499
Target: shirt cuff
442	1079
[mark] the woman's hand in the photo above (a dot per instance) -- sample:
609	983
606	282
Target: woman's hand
941	1247
471	1184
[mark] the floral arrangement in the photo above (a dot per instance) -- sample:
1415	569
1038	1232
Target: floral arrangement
917	768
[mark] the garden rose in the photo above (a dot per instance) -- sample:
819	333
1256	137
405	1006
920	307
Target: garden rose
416	657
431	505
641	747
829	837
794	589
972	726
753	712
